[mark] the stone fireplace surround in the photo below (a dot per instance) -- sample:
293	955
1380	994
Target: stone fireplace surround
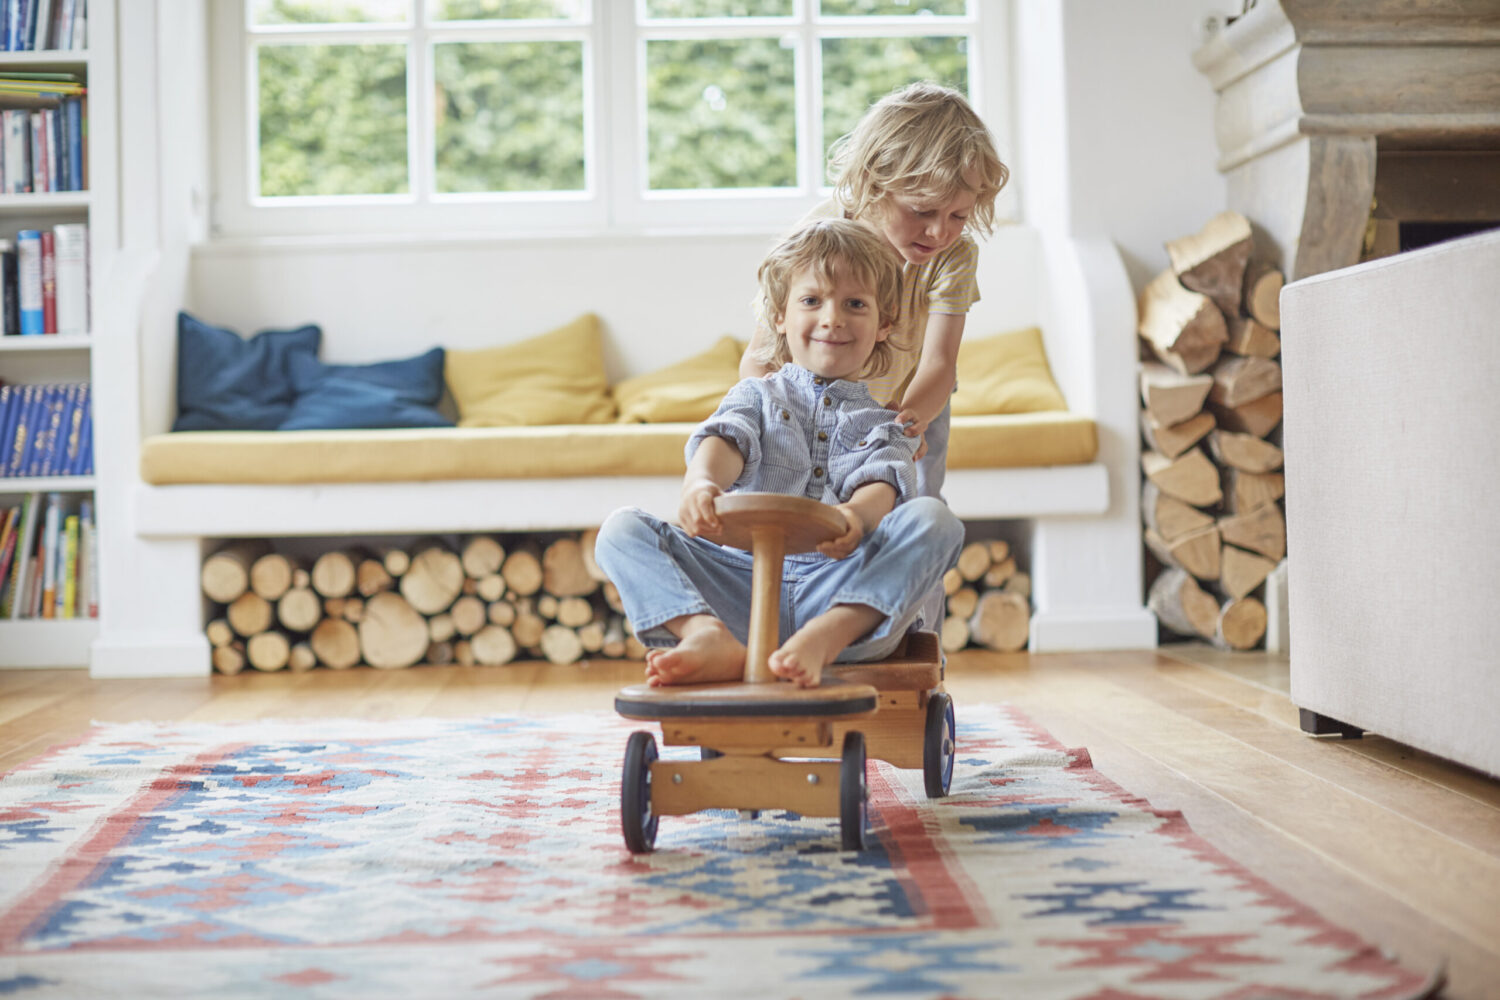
1338	120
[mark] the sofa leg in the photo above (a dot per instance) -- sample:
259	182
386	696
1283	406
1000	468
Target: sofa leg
1323	725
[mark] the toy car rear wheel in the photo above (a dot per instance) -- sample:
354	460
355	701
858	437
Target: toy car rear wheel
938	744
853	789
637	819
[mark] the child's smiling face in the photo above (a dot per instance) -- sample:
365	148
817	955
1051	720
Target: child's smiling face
831	329
920	228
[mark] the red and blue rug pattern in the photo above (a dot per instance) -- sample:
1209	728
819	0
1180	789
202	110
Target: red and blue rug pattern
455	857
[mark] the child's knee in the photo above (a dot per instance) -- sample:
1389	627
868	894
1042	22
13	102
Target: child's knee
936	522
623	527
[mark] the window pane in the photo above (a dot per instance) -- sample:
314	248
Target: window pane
857	72
893	8
507	10
332	119
665	9
329	11
720	114
509	116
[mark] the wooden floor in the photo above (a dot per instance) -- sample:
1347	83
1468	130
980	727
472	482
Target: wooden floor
1395	844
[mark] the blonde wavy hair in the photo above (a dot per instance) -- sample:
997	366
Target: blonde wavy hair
923	141
826	246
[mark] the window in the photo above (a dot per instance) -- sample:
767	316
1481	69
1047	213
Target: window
345	116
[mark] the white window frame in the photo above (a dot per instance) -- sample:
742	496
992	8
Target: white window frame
613	199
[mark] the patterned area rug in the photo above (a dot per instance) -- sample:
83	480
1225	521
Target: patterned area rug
435	858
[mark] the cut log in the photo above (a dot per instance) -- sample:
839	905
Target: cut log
1001	621
1172	397
469	615
1251	339
1258	417
1184	328
565	573
225	575
392	633
586	540
1261	530
1245	452
268	651
335	642
299	609
545	605
1240	572
999	549
1018	584
492	646
1212	260
302	658
395	561
634	648
1178	438
354	609
229	659
1244	491
249	614
973	560
560	645
333	573
1181	605
522	570
528	626
440	653
591	635
440	627
463	653
952	580
1239	380
1168	517
1197	551
612	598
371	577
1260	294
999	572
614	638
434	579
1242	624
1190	477
301	577
334	607
502	613
481	556
954	634
219	633
574	612
271	575
490	588
962	601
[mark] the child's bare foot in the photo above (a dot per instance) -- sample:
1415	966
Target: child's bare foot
708	651
801	658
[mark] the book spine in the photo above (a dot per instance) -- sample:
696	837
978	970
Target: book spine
22	436
71	252
48	432
68	598
73	429
73	128
29	274
91	563
10	291
17	161
57	152
80	431
35	126
51	525
49	283
9	523
57	457
20	590
43	38
10	405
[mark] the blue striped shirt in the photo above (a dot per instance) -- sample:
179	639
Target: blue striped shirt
804	435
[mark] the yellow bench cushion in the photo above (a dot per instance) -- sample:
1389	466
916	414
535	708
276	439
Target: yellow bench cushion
544	452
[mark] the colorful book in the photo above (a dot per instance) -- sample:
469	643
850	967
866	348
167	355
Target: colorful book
88	534
21	588
8	532
71	251
68	600
51	533
49	283
10	407
29	275
21	437
10	304
72	130
17	154
84	464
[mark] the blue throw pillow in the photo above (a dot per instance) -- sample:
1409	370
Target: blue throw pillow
228	383
401	393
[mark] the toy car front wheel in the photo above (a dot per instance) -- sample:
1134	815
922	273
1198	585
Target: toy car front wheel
637	819
852	793
938	745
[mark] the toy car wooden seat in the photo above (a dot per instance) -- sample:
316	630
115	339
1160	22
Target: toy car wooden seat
745	729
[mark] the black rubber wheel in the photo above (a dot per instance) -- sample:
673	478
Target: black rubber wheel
852	791
938	743
708	753
636	817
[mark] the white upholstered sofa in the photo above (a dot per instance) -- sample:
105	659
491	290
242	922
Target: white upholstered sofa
1392	434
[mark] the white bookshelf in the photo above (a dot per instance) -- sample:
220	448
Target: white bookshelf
55	358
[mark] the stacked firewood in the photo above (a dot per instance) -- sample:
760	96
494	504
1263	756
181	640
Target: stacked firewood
1211	409
988	600
476	601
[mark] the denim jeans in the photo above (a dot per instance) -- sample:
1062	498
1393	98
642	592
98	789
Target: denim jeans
662	574
932	469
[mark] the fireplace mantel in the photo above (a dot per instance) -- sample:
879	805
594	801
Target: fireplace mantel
1313	95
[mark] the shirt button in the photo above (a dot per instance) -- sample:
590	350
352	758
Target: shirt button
827	400
817	470
860	445
785	415
818	380
822	435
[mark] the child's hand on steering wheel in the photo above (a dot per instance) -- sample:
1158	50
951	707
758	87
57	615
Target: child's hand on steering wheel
695	511
846	543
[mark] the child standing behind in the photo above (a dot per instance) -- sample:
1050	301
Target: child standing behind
809	429
922	169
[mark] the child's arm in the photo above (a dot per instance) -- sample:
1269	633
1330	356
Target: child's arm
936	374
715	466
750	365
866	506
